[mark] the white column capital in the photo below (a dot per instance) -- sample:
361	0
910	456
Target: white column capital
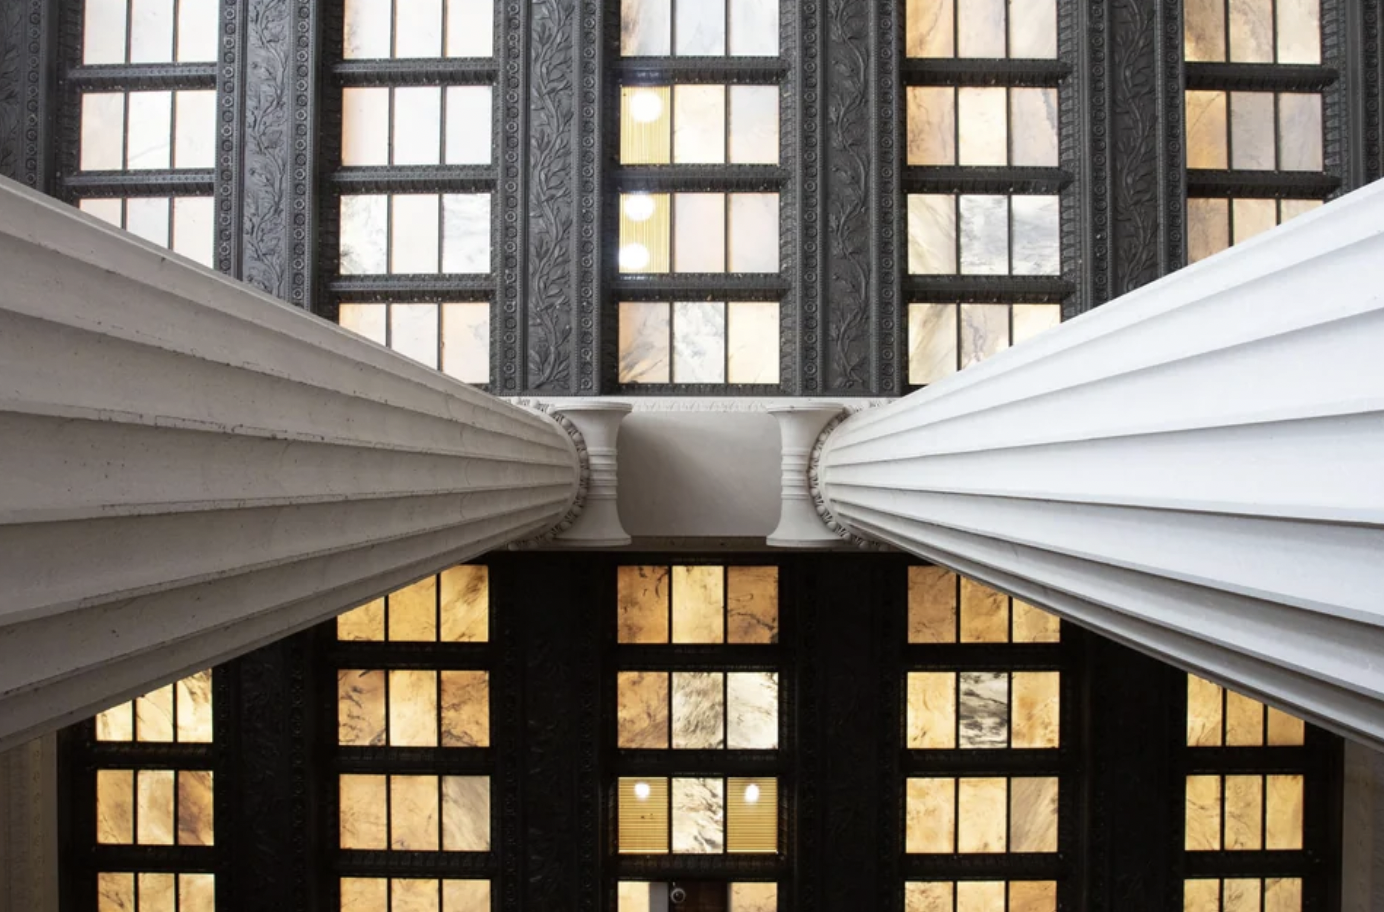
801	426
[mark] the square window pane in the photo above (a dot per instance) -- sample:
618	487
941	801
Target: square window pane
470	29
365	623
148	218
367	29
370	321
754	28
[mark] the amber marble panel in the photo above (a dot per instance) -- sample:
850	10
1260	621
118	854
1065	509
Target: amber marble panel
1241	895
413	612
699	600
752	604
984	614
1033	896
360	701
413	813
1033	814
466	604
642	709
1033	625
466	813
1203	821
931	605
753	897
1204	30
363	804
1206	130
363	623
1037	709
930	816
931	710
192	696
699	710
196	816
642	605
410	894
154	798
364	894
1208	228
1253	216
1283	812
196	893
980	896
115	796
928	897
1284	729
1283	894
1244	812
931	125
154	715
157	892
1244	721
465	895
1203	713
980	812
930	28
412	708
115	892
116	723
635	896
1201	896
465	709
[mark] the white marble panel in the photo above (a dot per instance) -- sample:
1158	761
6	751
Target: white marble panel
984	709
754	232
194	141
364	235
646	28
103	31
469	118
1033	29
752	710
984	235
413	332
103	131
151	31
931	234
931	342
701	29
754	125
367	29
699	232
470	28
197	30
699	342
417	125
983	133
149	140
413	240
1252	131
752	346
466	233
980	28
365	126
699	710
984	331
1300	131
147	217
466	341
418	28
1037	235
699	124
754	28
1033	127
699	815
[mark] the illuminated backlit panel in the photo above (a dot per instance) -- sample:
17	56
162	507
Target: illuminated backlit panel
381	29
414	813
697	604
144	131
1216	224
697	815
950	125
946	338
983	709
416	125
699	232
697	710
131	891
983	234
981	815
1218	717
180	712
980	896
413	708
413	894
662	28
735	342
1244	812
183	224
1254	131
699	124
154	807
981	28
1253	31
149	31
1243	894
450	607
946	608
415	234
451	337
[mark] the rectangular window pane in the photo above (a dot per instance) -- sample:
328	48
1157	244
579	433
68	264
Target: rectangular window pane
367	29
1033	814
148	142
1037	709
1252	130
646	28
754	124
752	710
980	28
418	28
413	332
981	815
699	128
466	342
1299	31
196	822
752	330
642	710
699	710
754	232
752	604
194	229
412	812
466	813
929	28
699	232
1033	30
984	235
115	795
932	339
931	605
699	342
195	135
466	233
698	605
1037	235
1251	31
364	235
983	132
699	812
931	710
1283	812
701	29
930	816
465	604
1033	127
1203	821
931	125
363	806
984	614
645	345
197	32
103	31
418	125
103	131
412	708
642	604
754	28
469	118
643	813
413	234
413	612
1300	131
465	705
1204	30
984	332
751	815
470	31
360	707
1206	130
984	709
151	31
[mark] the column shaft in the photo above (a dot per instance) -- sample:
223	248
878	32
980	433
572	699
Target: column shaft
1192	470
191	468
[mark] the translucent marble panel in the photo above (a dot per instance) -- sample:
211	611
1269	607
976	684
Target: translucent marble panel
1251	131
1244	721
1203	713
1299	31
642	709
193	229
931	721
1284	729
465	604
642	604
470	113
413	234
466	344
1203	815
364	235
465	703
197	31
157	892
363	804
1290	209
1033	814
1029	320
699	710
196	817
367	29
699	813
699	125
194	135
196	893
752	604
116	723
192	697
983	135
370	321
646	28
103	31
413	332
465	895
929	28
752	710
365	623
1282	894
751	815
753	897
413	813
643	815
984	709
148	219
1033	127
980	812
754	28
466	233
149	130
1241	895
699	342
645	346
412	708
754	125
930	816
1037	235
1204	30
470	29
1299	131
700	29
1201	896
699	232
984	613
1251	31
980	28
115	815
360	701
753	230
115	892
931	605
932	339
637	896
980	896
928	897
408	894
984	332
1208	228
752	342
1037	709
413	612
1206	130
698	605
151	31
417	28
984	234
418	125
1032	896
931	112
1034	625
1283	796
111	211
931	234
364	894
1033	28
103	129
154	715
1252	216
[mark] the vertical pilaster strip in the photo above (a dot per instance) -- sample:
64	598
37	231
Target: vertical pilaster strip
1343	102
230	137
888	341
29	826
1086	147
809	187
278	165
508	325
587	288
27	90
1373	66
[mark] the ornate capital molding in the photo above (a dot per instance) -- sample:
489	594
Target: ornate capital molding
569	428
815	490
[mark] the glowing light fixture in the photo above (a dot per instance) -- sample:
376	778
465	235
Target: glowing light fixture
641	790
634	257
646	107
639	207
751	793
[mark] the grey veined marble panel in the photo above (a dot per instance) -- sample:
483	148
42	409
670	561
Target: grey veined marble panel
984	709
698	710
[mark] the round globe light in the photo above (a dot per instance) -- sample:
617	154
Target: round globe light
751	793
641	790
639	207
646	107
634	257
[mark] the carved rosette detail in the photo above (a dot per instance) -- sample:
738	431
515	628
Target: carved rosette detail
814	485
583	477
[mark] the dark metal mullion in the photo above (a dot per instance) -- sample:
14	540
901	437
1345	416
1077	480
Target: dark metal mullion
1225	11
125	137
1278	135
129	52
177	9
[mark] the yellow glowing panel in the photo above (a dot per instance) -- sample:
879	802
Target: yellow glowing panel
1203	826
157	892
751	815
645	125
413	612
984	613
1206	130
1244	812
753	897
1285	730
408	894
1033	896
1244	721
465	895
196	816
642	606
930	816
364	894
196	893
980	896
645	233
154	715
1283	894
931	605
360	707
192	696
115	795
1201	896
413	813
643	811
362	812
1034	625
466	604
116	723
1036	713
698	605
363	623
1241	895
1283	816
1203	713
115	892
752	604
154	797
931	710
980	812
